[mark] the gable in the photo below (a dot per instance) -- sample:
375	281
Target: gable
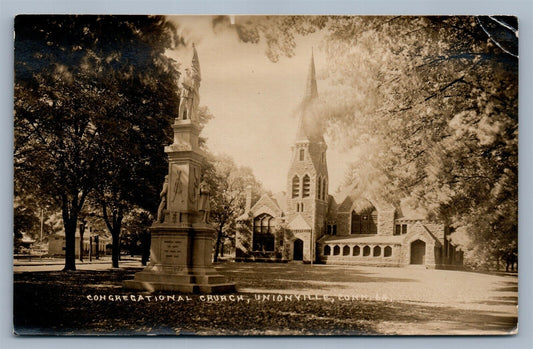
420	231
266	205
298	223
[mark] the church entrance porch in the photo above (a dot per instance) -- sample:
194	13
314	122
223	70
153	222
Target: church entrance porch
298	250
418	252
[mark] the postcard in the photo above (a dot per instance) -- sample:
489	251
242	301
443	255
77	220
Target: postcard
265	175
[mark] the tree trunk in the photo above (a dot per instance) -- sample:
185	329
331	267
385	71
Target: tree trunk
115	252
145	247
217	245
70	244
114	226
82	231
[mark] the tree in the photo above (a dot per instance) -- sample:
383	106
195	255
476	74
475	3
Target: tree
25	221
137	236
83	84
428	107
228	183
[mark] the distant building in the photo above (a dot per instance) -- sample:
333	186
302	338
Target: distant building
56	244
306	223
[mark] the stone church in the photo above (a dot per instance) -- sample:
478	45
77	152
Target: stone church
307	223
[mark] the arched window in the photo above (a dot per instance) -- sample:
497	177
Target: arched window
327	250
263	239
265	224
346	251
324	189
365	222
302	154
336	250
377	251
356	251
306	186
295	186
387	251
366	251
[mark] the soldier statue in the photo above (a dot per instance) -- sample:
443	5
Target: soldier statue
203	204
163	204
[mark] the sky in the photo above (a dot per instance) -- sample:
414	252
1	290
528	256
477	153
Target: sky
253	100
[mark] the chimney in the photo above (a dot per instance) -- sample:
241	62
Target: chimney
248	205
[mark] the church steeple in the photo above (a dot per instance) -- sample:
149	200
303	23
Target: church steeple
307	178
311	91
305	131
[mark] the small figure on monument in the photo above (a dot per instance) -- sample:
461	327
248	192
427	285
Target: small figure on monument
203	204
163	204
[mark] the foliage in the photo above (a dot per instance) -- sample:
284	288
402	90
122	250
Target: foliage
428	106
135	229
93	98
228	183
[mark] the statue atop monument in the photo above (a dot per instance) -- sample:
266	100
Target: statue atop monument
189	90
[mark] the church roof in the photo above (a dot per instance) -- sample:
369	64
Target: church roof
266	204
298	223
374	239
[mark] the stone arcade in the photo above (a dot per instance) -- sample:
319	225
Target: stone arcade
306	223
182	243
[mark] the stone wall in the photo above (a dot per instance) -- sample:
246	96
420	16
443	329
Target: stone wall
419	232
344	223
244	242
386	221
356	256
306	238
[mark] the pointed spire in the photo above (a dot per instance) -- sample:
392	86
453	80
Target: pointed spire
311	91
196	64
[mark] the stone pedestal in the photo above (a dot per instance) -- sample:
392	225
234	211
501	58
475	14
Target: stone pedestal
181	261
180	256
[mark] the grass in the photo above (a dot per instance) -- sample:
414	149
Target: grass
64	303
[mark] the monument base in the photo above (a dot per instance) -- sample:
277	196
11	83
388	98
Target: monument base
180	261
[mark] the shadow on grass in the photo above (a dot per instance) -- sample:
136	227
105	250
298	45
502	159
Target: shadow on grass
57	303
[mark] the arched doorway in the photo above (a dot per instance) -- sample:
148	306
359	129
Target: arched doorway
418	252
298	254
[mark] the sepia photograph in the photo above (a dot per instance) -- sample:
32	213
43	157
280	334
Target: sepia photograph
281	175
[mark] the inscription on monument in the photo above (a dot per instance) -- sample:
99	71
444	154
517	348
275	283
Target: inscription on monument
172	251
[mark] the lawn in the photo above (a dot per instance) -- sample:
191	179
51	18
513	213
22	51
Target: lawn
273	299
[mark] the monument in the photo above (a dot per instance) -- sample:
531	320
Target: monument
182	239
